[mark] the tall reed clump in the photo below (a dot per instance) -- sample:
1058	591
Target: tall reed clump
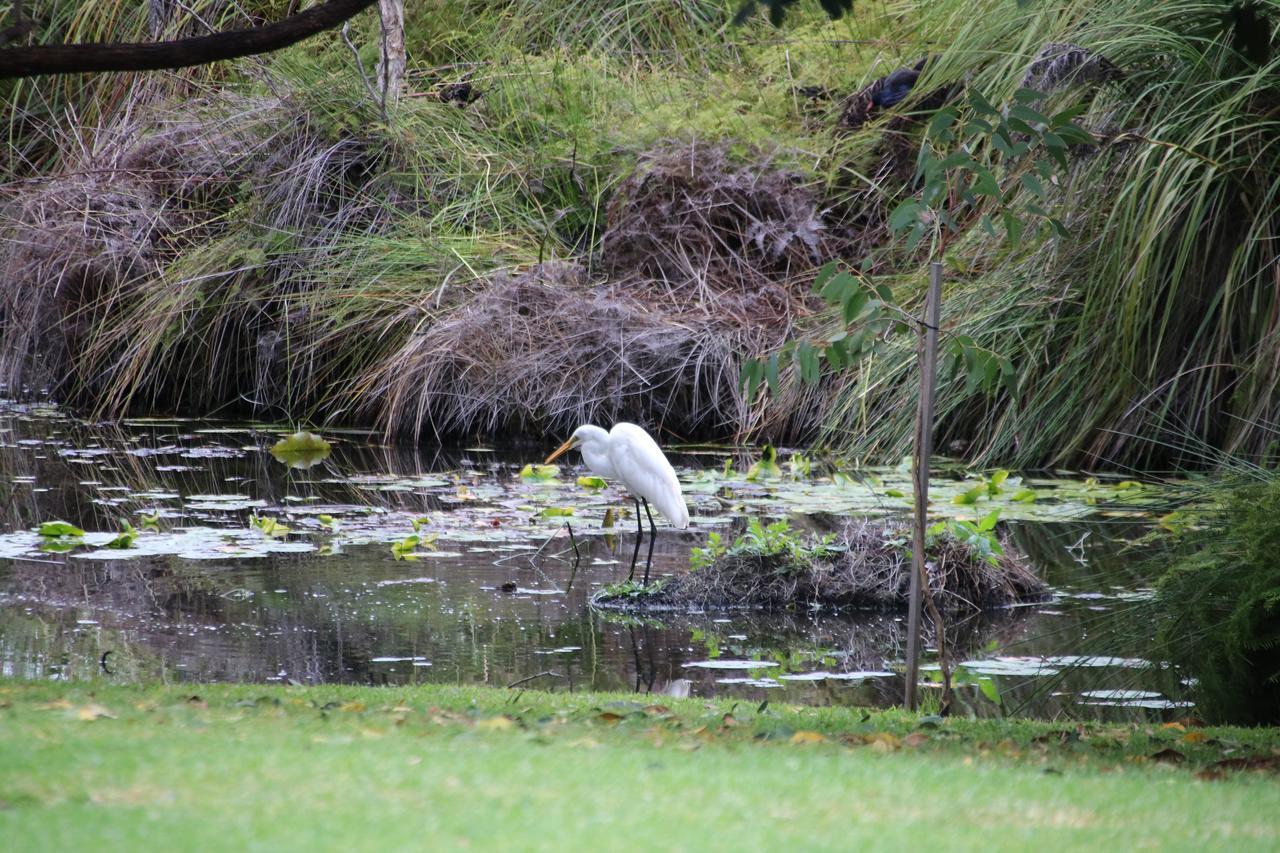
256	236
275	246
1158	318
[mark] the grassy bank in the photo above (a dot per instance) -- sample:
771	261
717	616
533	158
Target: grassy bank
631	204
227	767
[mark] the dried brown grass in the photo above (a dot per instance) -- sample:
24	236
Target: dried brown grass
555	347
701	267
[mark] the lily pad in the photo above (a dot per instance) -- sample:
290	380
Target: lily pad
59	528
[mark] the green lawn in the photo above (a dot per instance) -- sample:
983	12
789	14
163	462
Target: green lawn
444	767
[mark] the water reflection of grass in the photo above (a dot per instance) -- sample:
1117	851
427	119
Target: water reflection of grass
236	766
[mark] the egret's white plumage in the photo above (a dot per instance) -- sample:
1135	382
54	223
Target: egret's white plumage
642	467
594	444
630	456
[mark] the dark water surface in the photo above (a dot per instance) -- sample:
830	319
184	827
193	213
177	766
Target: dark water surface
205	595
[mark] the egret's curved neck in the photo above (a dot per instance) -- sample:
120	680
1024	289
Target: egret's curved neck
594	444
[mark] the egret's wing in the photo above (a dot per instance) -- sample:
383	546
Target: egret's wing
642	468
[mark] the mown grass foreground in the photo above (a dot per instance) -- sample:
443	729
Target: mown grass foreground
230	767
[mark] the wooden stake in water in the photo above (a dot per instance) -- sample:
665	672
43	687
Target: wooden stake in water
928	353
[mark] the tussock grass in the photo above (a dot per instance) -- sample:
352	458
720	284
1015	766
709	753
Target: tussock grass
1157	320
256	236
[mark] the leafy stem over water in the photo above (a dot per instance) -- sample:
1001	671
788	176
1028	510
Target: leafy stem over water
976	162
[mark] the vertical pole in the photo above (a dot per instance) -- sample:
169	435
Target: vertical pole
928	356
391	58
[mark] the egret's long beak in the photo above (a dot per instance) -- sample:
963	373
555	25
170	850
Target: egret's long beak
561	450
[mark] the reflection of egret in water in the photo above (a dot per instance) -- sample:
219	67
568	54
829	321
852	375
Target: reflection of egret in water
641	678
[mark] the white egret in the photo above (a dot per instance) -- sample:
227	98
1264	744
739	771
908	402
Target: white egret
629	455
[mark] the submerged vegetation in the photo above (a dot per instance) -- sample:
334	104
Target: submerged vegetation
586	212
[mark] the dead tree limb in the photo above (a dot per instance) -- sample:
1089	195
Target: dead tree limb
180	53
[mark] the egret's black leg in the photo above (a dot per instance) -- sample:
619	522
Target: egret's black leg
653	534
635	554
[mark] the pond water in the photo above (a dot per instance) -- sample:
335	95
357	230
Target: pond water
249	567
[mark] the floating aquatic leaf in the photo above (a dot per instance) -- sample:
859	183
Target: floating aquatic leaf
269	526
766	467
1120	694
301	450
539	473
730	664
749	682
414	660
405	548
1023	666
59	528
128	534
592	482
1096	661
858	676
556	512
300	441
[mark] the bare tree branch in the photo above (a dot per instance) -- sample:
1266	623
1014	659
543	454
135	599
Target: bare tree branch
149	56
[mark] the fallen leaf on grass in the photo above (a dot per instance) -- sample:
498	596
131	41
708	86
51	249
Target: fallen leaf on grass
1060	736
885	742
728	721
496	724
1195	737
808	737
55	705
916	739
1249	762
93	712
353	707
1008	747
609	718
1168	756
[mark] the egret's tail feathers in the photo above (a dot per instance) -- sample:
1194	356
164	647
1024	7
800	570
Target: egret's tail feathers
673	509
